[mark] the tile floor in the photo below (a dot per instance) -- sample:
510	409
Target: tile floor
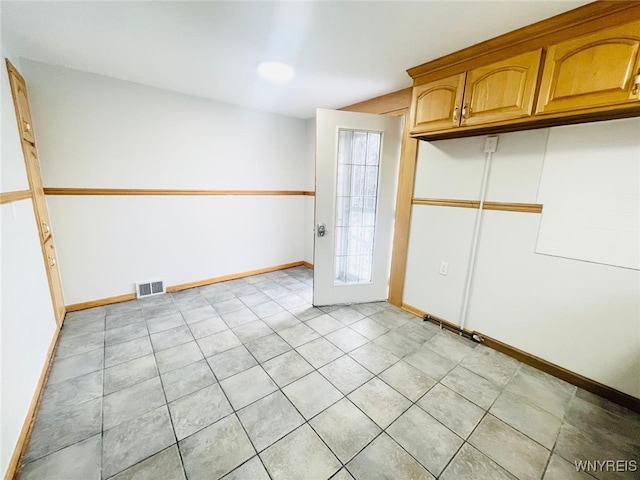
246	380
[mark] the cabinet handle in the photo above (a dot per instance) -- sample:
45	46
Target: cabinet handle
52	262
636	83
45	228
465	107
455	115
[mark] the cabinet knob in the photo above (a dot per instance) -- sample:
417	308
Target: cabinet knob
455	115
636	84
465	109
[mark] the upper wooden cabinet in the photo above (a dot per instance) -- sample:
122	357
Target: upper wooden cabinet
592	71
494	93
436	105
501	91
579	66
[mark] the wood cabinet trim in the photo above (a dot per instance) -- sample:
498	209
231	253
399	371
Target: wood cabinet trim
9	197
152	191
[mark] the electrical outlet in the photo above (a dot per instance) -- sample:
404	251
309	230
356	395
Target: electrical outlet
444	268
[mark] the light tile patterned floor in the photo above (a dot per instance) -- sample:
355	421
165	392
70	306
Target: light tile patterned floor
246	380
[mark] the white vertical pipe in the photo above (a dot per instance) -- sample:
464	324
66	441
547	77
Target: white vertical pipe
476	235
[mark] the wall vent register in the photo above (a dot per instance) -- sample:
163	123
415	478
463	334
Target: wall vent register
150	288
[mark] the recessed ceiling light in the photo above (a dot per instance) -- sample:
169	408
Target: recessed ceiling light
276	72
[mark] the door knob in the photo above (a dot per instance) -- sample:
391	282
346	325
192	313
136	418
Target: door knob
321	230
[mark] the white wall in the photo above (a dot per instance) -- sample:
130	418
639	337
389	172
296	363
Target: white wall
99	132
28	323
582	316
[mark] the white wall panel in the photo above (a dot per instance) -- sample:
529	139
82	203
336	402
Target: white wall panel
438	234
99	132
28	322
582	316
590	187
450	169
516	167
110	242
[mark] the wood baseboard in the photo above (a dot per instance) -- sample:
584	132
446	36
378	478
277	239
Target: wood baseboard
308	265
183	286
233	276
100	302
568	376
27	427
167	191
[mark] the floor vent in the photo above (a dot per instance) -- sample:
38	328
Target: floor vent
152	287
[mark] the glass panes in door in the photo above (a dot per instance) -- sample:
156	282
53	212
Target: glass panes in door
356	202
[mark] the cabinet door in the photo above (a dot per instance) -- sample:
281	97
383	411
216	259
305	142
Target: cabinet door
436	105
55	285
591	72
21	104
501	91
39	201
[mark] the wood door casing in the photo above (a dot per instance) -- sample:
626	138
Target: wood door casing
39	200
23	113
436	105
592	71
501	91
54	280
23	117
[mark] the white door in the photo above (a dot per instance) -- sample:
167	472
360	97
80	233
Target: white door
357	158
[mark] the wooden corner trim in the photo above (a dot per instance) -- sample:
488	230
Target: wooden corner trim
183	286
502	206
9	197
156	191
568	376
308	265
27	427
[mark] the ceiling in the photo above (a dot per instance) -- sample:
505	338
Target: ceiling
343	52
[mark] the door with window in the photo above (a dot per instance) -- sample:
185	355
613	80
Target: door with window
357	159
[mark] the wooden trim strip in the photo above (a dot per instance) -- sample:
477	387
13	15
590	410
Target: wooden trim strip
502	206
27	427
446	202
308	265
183	286
74	307
9	197
232	276
153	191
573	378
514	207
